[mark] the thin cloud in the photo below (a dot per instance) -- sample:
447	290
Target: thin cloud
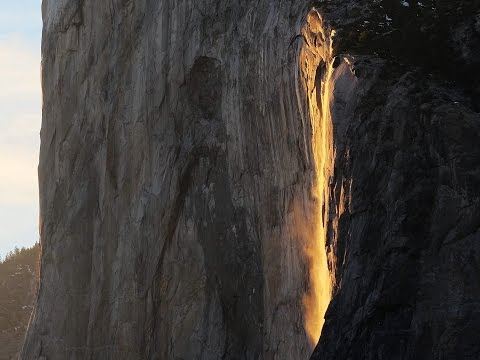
20	118
20	70
24	16
18	179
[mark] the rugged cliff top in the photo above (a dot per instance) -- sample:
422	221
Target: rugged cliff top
442	37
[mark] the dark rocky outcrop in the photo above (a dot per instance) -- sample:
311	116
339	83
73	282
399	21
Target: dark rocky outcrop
405	223
181	195
406	173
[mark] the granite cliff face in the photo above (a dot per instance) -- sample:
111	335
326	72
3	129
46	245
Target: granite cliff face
212	173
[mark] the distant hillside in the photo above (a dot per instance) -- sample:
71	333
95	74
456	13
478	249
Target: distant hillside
18	285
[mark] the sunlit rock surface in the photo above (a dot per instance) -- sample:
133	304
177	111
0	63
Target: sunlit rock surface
177	176
173	154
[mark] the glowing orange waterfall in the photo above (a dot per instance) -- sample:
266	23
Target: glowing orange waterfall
316	67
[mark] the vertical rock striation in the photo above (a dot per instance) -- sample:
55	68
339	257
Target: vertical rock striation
174	154
212	172
316	70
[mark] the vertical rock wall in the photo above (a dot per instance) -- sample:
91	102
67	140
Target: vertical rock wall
174	152
405	200
316	69
178	178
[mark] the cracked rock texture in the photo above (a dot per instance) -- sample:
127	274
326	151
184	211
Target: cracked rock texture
172	150
176	145
405	224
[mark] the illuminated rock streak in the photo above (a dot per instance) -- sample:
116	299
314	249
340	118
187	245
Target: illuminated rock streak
316	67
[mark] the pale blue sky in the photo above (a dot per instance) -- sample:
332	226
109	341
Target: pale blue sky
20	119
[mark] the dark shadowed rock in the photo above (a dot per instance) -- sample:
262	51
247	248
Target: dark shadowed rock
407	170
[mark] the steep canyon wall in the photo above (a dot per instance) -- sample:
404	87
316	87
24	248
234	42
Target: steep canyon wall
212	173
174	154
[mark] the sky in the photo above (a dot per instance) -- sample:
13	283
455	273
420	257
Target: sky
20	120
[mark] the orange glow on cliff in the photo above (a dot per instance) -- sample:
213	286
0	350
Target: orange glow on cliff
316	66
